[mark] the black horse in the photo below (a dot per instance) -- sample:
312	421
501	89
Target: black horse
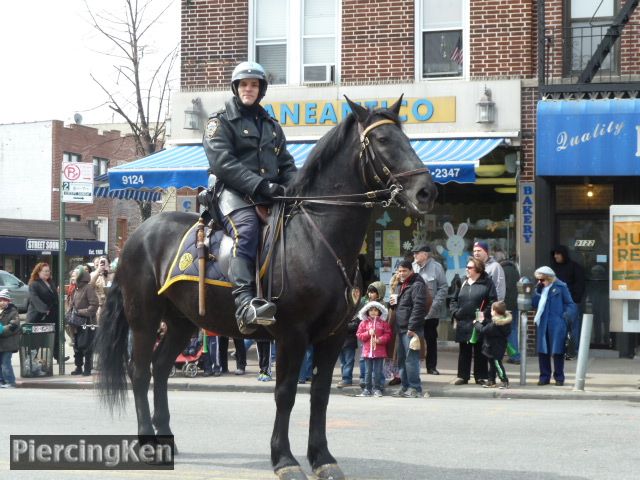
367	151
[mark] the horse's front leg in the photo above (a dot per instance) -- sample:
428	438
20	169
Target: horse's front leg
289	357
325	355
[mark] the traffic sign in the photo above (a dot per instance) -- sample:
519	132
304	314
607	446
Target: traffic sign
77	182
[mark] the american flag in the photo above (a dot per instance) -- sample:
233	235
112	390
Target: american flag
456	55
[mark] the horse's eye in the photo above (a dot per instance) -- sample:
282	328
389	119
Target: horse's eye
383	140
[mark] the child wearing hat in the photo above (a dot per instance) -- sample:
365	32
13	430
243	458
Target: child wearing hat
9	336
374	332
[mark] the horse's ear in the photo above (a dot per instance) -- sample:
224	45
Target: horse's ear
395	108
360	113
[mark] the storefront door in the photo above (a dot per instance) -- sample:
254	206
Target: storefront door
587	238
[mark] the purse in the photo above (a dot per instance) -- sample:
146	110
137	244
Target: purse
85	336
72	318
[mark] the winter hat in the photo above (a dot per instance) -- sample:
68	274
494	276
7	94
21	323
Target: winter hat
378	287
545	271
364	311
5	295
483	245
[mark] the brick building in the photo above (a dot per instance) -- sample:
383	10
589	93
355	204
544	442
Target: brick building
31	157
454	61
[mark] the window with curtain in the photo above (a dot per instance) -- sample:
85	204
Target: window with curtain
441	25
71	157
271	38
296	40
99	166
589	21
319	41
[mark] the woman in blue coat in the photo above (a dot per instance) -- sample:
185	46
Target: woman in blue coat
555	309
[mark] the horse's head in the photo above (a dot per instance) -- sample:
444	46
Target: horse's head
389	161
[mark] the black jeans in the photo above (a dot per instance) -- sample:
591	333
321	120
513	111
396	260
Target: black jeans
241	353
431	339
480	364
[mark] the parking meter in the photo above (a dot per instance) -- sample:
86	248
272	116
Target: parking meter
525	291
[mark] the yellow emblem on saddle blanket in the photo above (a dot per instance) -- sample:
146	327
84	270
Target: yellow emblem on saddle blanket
185	261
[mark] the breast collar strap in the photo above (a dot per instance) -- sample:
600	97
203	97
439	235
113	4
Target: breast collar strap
371	166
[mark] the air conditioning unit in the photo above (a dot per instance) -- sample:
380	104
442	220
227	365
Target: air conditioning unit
319	73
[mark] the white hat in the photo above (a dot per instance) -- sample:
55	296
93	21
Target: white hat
545	271
5	295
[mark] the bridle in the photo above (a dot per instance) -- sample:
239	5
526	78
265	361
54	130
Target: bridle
371	168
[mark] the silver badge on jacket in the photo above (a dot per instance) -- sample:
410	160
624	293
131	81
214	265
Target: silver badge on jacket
212	127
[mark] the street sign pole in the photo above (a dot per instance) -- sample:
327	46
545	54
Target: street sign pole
61	280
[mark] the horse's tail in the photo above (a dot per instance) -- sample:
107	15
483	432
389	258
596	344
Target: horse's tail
112	349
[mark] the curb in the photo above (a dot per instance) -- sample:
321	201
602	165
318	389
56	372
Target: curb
518	393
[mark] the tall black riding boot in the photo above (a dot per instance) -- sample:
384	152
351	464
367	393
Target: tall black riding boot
250	311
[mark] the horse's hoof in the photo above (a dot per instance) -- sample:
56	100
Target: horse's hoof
330	471
293	472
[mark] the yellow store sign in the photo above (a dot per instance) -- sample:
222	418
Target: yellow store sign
329	113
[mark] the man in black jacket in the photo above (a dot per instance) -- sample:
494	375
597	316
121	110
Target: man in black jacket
247	153
409	302
571	273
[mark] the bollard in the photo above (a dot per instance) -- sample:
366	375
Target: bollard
523	348
583	351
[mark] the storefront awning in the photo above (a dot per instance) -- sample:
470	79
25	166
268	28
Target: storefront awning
588	138
187	165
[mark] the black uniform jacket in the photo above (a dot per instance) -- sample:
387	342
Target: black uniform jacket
240	156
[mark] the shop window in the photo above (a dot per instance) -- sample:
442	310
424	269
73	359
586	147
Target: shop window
100	166
72	218
572	198
294	51
71	157
588	21
441	50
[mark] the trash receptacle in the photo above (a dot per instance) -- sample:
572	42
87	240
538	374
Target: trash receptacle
36	349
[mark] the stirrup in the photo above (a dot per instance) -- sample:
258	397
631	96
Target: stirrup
257	312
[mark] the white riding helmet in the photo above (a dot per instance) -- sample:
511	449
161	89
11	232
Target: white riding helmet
249	70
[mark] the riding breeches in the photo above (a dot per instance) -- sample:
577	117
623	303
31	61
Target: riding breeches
243	226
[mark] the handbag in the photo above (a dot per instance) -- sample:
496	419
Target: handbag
85	336
72	318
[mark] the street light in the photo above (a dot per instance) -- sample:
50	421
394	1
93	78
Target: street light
485	108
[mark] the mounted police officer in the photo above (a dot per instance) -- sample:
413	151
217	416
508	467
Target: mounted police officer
247	153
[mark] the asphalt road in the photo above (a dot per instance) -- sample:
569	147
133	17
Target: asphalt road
226	436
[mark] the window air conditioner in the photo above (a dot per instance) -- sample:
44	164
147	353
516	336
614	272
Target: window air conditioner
319	73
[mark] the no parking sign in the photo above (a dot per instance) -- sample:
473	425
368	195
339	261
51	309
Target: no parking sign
77	182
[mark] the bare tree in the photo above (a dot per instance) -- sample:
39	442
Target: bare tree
144	100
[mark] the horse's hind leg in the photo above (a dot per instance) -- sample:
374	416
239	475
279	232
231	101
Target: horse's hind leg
140	373
325	355
289	357
179	330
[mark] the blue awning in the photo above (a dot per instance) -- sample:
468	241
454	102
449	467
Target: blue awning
187	165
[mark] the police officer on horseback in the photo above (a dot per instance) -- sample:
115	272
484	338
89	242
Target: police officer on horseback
247	153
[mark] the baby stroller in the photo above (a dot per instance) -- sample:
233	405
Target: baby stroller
189	360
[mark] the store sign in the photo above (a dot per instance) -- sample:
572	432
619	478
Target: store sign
329	113
527	213
588	137
625	253
38	245
77	182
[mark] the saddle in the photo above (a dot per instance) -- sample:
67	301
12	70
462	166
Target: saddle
185	265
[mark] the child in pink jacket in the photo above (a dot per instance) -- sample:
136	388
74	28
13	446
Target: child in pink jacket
374	332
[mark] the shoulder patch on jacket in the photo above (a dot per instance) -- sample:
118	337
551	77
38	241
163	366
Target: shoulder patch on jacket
212	127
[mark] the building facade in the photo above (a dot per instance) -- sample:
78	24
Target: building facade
30	162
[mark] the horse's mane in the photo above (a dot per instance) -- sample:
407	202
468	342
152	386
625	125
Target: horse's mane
327	149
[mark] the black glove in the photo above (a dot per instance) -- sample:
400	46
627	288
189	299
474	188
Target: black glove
270	190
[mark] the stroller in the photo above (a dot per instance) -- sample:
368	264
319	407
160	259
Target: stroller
190	360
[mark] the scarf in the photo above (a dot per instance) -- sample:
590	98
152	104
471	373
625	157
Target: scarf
542	304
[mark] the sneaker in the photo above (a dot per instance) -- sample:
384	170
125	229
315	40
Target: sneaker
560	383
8	385
77	371
433	371
395	381
264	377
240	371
543	382
481	381
490	385
377	393
412	393
426	395
364	393
342	384
460	381
504	385
399	393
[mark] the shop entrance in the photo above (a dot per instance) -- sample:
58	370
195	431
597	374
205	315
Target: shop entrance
587	238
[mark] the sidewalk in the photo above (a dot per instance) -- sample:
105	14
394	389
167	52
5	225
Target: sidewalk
608	378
